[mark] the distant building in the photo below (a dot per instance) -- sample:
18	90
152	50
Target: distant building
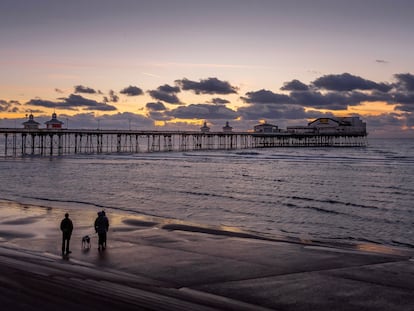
31	124
54	123
227	128
353	124
266	128
300	129
331	126
205	128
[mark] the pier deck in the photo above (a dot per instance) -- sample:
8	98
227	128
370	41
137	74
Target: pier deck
47	142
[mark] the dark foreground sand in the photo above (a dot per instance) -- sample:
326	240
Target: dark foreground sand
155	264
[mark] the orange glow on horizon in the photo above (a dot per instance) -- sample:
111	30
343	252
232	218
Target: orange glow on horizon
13	115
159	123
372	108
364	109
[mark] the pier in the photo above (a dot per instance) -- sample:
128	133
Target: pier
58	142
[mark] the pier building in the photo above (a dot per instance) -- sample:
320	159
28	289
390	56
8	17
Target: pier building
227	128
31	124
205	128
331	126
54	123
266	128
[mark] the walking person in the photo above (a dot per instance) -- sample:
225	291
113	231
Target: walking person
101	227
66	226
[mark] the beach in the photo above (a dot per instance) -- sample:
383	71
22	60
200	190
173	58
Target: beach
249	155
163	264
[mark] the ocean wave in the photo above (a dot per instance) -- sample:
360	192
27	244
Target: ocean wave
315	208
331	201
366	193
89	204
356	239
405	244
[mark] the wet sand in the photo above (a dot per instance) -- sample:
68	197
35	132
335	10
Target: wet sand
161	264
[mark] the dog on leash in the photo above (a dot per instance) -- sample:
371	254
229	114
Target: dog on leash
86	242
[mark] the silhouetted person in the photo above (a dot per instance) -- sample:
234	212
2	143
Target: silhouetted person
66	226
101	227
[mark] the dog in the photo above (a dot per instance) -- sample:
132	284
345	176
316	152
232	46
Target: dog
86	242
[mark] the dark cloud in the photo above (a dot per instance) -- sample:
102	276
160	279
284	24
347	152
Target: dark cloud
207	86
159	116
303	96
336	100
389	125
348	82
45	103
87	104
166	93
39	111
408	106
383	120
84	89
220	101
9	106
73	102
58	91
266	97
381	61
410	121
203	111
80	121
332	100
158	106
314	114
294	85
164	96
113	97
404	92
169	89
271	111
405	81
132	91
125	120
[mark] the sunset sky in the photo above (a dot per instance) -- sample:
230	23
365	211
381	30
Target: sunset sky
173	64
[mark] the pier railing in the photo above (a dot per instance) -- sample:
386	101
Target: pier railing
46	142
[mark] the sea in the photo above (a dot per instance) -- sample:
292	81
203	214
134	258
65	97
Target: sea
333	194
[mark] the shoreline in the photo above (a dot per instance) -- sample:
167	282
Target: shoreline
125	219
344	205
176	266
122	219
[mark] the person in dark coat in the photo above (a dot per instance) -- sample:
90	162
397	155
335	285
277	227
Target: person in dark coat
101	227
66	226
